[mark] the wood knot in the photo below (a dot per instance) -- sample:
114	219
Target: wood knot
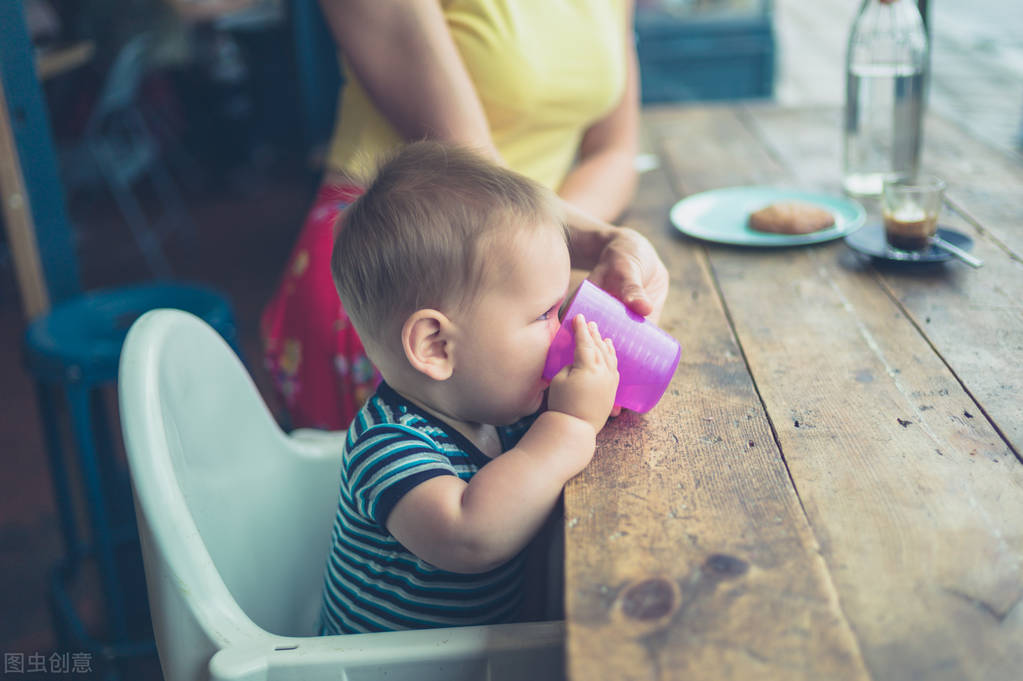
650	599
724	566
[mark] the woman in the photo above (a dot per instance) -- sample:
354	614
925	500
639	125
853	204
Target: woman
547	87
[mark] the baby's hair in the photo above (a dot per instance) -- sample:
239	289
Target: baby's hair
423	232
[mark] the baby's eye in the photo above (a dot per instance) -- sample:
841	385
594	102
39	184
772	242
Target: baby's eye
548	314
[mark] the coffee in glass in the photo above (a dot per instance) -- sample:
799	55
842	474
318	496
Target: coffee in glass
909	210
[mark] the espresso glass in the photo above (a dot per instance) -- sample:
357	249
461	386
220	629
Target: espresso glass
909	209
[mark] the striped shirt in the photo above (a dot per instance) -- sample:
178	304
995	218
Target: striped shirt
372	582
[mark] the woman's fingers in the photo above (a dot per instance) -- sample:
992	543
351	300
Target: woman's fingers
630	270
621	276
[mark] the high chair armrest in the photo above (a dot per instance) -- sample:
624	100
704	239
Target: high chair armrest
503	652
317	444
314	435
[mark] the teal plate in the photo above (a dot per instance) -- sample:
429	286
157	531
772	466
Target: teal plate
722	215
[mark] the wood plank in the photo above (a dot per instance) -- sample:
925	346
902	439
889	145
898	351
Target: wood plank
32	143
974	318
975	322
977	68
687	553
913	497
18	223
984	183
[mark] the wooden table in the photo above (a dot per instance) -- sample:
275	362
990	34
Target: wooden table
831	487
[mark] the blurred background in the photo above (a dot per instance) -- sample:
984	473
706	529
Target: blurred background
233	102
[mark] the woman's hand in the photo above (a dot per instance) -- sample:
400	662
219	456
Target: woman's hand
620	260
630	269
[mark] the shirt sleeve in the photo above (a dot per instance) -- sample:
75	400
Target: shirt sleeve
385	463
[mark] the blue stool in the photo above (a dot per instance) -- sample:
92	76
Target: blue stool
75	349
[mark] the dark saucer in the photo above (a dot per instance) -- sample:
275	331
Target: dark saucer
869	240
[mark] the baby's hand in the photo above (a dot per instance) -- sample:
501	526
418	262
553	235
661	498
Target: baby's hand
586	388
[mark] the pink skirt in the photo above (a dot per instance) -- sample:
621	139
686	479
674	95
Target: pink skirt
310	348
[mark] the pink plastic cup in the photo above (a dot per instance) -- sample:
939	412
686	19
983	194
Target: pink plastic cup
647	355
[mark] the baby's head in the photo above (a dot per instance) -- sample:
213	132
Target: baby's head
440	265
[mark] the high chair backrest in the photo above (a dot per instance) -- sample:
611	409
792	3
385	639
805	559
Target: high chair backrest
234	518
234	514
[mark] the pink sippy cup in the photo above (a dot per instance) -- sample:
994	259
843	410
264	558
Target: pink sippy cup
647	355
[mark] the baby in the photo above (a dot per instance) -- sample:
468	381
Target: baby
452	270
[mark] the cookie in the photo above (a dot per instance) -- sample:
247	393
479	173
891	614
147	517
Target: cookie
792	217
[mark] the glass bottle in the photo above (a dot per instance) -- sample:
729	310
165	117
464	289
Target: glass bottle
886	70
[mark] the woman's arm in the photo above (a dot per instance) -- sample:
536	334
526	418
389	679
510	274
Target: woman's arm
603	181
599	188
424	90
402	53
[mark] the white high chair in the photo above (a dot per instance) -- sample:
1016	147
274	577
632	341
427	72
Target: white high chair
234	517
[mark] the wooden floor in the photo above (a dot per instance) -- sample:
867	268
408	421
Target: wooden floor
978	82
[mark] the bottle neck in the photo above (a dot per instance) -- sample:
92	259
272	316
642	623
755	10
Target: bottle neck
890	33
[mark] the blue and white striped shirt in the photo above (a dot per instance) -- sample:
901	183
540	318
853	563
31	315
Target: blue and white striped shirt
373	583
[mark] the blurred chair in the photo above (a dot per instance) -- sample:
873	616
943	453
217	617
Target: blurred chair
72	353
72	345
235	516
119	145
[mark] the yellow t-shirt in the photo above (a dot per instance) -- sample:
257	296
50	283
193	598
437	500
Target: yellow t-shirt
544	70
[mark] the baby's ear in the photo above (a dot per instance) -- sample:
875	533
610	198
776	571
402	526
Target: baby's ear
426	341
